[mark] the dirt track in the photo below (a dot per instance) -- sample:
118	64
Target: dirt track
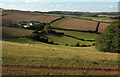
58	67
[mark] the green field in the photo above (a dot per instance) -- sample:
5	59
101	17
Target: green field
10	34
63	40
83	35
51	55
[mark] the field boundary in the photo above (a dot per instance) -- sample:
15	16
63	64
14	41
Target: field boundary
60	67
76	30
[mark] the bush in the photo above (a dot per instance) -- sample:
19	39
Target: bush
109	40
77	44
35	35
66	44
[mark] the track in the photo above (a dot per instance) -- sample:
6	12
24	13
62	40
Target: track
58	67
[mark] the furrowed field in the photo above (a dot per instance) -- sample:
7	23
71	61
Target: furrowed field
17	16
81	24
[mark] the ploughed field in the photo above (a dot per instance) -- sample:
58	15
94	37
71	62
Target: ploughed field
15	16
80	24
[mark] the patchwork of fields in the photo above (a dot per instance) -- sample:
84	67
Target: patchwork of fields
80	24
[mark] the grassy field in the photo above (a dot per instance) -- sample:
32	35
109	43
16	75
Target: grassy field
84	35
63	40
51	55
10	34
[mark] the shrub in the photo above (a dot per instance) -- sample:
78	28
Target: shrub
66	44
109	40
77	44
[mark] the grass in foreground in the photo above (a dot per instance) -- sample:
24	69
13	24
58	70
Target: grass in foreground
51	55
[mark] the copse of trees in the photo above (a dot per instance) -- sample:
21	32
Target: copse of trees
39	31
109	40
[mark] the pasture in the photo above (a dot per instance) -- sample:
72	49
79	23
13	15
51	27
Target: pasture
24	61
82	35
17	35
11	32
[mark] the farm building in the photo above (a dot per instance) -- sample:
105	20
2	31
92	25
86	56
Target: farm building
25	24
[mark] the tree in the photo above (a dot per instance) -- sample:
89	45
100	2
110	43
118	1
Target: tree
109	40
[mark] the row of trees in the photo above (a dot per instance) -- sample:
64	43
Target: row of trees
78	13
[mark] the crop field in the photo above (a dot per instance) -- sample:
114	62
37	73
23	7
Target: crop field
80	24
56	60
27	16
102	27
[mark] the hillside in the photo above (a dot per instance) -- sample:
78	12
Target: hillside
48	58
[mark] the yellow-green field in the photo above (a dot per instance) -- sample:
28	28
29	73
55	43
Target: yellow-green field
51	55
